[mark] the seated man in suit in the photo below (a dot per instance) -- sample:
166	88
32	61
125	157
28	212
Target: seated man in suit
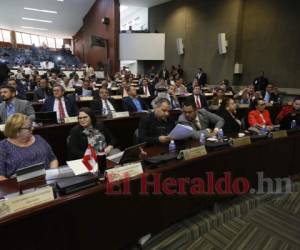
169	94
200	120
85	89
260	117
63	106
288	114
146	89
271	95
103	104
155	127
12	105
19	87
198	98
132	102
43	91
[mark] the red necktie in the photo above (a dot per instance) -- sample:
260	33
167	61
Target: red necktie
61	110
198	103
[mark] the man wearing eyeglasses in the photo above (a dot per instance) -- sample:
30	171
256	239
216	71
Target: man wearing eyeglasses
260	117
12	105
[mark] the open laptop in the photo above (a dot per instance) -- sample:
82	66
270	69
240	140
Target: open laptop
46	117
130	154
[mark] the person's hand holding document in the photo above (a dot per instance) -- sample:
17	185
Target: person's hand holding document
181	132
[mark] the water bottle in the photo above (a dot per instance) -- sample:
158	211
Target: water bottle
220	134
202	139
293	124
172	147
264	130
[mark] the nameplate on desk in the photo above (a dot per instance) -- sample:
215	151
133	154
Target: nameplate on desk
279	134
26	201
209	94
69	90
144	96
120	114
244	106
192	153
123	172
115	88
86	98
238	142
73	119
117	97
2	127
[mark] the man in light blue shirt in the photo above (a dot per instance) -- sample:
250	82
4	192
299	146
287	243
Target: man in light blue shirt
133	103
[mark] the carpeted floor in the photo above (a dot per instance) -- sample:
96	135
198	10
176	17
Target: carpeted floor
269	221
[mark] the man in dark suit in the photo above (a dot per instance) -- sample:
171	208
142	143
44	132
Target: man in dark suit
103	104
146	89
156	126
63	106
198	98
260	83
201	77
4	70
164	74
85	89
133	103
270	95
43	91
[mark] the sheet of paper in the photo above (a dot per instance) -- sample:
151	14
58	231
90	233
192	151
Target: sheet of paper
2	127
77	167
115	157
181	132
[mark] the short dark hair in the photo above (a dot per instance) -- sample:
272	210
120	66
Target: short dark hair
11	88
255	102
225	102
160	101
188	103
90	113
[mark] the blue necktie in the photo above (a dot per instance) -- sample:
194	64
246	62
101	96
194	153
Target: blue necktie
10	109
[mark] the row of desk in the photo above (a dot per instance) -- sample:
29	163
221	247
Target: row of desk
91	219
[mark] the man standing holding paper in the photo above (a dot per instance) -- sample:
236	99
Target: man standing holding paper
200	120
155	127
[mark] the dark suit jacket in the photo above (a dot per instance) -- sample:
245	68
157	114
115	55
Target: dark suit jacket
164	76
202	100
273	97
96	105
150	128
151	89
128	104
203	79
78	141
42	93
230	126
71	106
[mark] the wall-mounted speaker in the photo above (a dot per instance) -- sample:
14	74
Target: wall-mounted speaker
238	68
222	43
180	46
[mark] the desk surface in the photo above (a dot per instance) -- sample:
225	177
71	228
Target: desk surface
91	217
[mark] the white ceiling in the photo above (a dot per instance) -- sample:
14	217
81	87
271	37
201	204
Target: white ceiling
143	3
65	24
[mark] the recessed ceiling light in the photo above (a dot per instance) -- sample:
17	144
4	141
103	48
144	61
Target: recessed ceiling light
33	28
36	20
123	7
46	11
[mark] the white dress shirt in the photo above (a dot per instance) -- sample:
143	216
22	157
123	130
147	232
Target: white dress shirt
56	109
111	107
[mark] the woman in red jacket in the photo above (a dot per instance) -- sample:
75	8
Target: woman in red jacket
260	117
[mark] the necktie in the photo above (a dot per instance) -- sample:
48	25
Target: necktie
61	110
146	91
197	124
198	103
172	102
107	107
10	109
